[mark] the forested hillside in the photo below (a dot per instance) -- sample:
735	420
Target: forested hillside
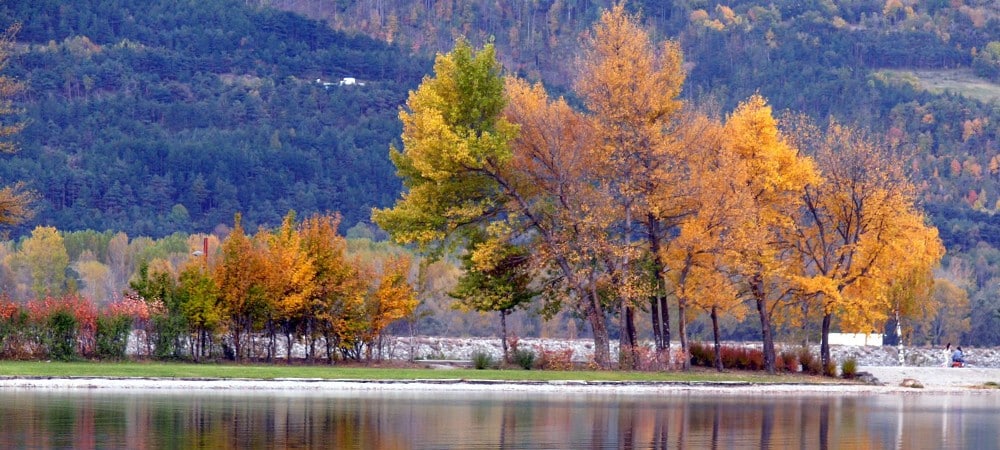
156	117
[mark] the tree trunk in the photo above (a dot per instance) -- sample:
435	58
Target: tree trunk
824	343
503	335
765	325
327	337
288	344
654	310
665	314
602	342
237	347
626	338
682	333
630	329
310	335
658	309
718	346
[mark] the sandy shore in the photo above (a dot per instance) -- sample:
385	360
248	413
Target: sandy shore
946	378
934	379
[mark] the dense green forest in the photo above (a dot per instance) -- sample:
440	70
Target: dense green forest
155	117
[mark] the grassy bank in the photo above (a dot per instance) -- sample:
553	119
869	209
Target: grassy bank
265	372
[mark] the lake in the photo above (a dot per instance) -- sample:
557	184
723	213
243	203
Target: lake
101	418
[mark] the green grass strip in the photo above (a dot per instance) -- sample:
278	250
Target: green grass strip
268	372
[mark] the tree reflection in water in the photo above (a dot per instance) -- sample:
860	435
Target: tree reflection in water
399	420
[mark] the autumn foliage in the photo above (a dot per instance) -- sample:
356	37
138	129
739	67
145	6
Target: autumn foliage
637	198
297	281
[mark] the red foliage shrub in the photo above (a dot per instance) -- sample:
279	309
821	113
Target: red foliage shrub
8	308
755	358
133	306
810	363
82	309
702	354
555	359
742	358
789	362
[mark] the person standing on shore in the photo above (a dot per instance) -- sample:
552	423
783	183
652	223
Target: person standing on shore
947	355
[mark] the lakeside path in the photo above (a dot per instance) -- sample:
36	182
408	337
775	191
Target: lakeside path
934	380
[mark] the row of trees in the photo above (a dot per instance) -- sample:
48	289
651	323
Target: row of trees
637	198
297	281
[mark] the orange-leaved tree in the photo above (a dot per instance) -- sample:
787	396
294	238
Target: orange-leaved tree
771	179
391	297
288	278
338	290
693	260
630	88
239	277
860	232
554	197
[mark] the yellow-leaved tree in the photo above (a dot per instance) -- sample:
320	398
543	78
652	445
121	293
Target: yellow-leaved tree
288	277
694	259
454	142
630	88
770	179
860	233
391	297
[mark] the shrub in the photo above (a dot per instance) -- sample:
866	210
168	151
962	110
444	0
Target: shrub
556	359
755	359
789	362
741	358
830	369
168	330
482	360
524	358
649	359
849	368
701	354
15	335
729	357
61	339
810	364
112	336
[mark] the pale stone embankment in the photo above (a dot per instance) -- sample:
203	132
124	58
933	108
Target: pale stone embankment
438	348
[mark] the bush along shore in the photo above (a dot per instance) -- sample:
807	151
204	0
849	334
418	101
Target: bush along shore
33	333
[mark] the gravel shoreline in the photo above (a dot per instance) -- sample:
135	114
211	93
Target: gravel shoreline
933	380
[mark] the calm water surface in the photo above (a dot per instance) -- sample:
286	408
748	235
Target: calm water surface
464	420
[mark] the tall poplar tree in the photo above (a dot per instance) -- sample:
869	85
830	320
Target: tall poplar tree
454	142
630	88
771	179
